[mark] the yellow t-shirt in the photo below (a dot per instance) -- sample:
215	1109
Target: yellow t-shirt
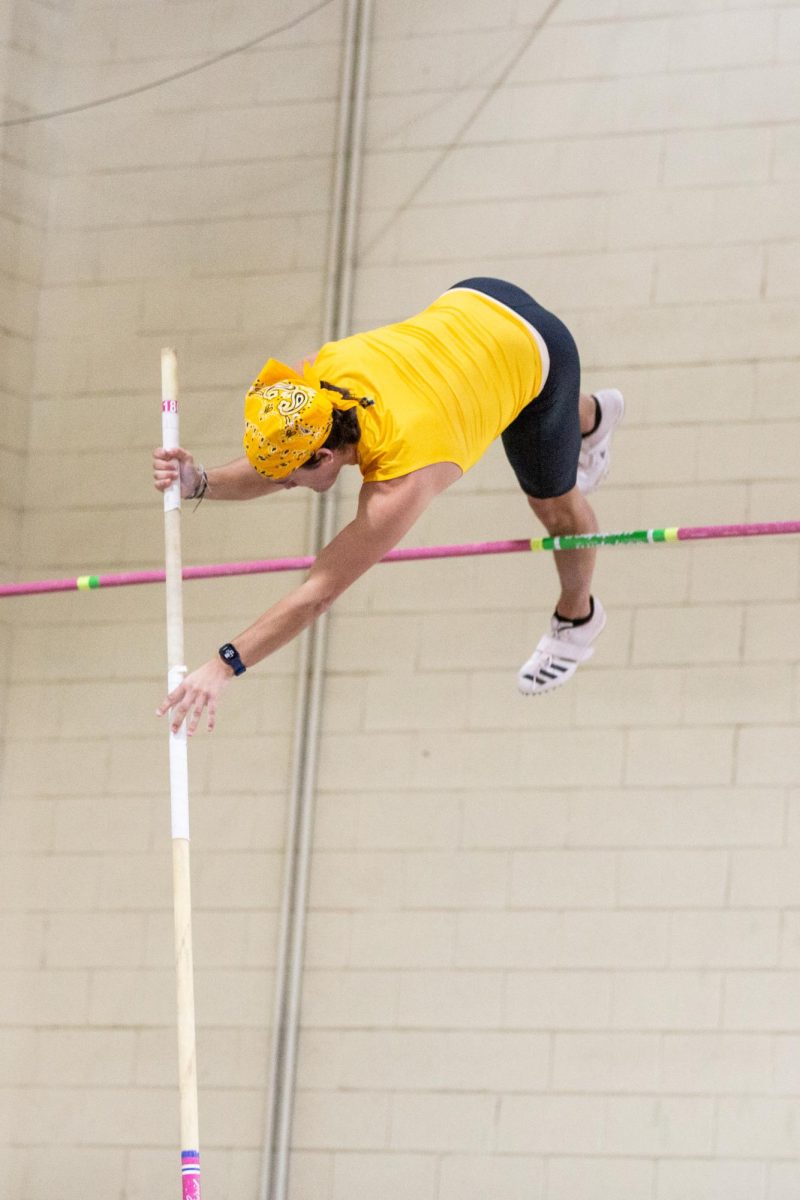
446	382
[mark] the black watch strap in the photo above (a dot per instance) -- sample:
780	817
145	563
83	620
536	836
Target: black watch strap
230	655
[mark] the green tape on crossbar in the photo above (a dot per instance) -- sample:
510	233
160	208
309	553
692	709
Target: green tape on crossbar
85	582
585	540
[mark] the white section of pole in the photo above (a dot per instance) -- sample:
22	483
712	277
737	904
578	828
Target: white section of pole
179	801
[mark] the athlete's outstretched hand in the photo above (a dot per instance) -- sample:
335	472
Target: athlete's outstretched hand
197	694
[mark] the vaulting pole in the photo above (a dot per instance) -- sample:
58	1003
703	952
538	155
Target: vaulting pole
179	800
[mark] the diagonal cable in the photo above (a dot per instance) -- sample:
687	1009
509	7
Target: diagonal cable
465	125
157	83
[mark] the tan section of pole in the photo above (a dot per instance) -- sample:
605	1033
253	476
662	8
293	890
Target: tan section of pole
187	1054
179	802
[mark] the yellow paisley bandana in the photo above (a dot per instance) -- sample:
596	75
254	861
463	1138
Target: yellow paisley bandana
287	417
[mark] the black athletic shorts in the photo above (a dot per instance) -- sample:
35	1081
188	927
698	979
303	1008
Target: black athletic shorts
544	441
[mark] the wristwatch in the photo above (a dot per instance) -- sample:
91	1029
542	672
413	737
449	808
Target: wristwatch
230	655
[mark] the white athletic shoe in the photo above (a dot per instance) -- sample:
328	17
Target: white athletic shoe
595	456
560	653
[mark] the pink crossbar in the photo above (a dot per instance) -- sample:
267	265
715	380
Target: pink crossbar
762	529
407	554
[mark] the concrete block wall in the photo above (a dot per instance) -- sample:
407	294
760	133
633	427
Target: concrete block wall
25	37
174	217
21	216
566	965
552	947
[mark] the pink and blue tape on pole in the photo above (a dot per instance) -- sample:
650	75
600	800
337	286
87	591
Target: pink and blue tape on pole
190	1174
